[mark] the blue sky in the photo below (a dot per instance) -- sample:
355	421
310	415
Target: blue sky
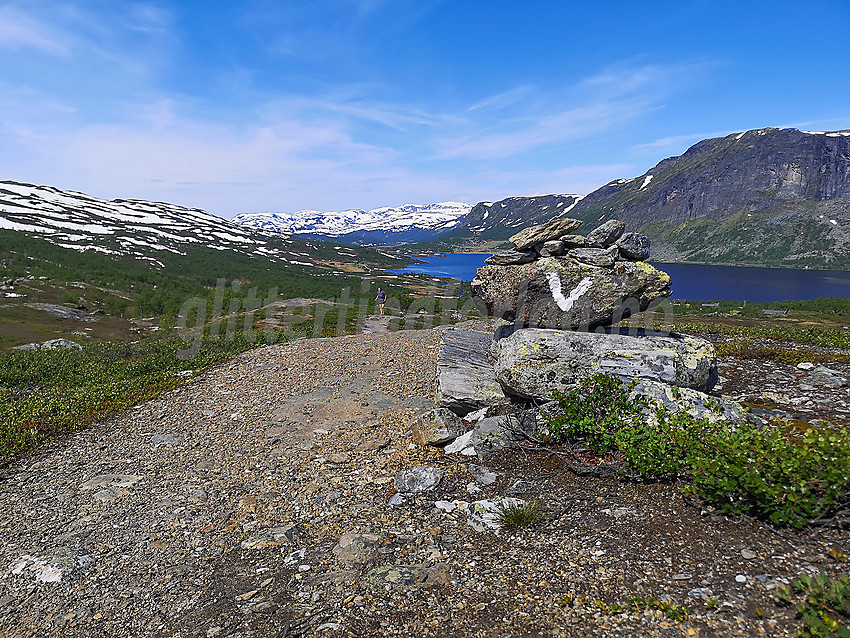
271	105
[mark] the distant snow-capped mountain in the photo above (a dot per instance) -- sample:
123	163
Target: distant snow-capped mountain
126	226
411	222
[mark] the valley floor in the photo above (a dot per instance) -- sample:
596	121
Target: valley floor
215	510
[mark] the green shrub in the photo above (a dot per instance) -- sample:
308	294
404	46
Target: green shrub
45	393
594	412
824	607
516	516
666	447
601	413
790	478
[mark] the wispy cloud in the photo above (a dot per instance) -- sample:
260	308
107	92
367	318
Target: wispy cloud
502	100
543	130
18	31
126	128
526	119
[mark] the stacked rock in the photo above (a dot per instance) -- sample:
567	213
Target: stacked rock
555	279
557	296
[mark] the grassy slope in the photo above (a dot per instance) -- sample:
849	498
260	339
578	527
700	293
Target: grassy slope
121	288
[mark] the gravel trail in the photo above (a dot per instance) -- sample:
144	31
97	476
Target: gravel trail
215	510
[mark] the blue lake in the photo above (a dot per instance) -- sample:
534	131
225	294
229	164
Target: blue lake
690	281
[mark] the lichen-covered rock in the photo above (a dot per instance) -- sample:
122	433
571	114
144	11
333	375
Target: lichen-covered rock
574	241
437	426
606	234
529	237
508	257
601	257
531	363
693	402
634	246
495	433
556	292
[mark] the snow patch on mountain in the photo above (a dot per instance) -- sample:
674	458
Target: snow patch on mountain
123	226
438	217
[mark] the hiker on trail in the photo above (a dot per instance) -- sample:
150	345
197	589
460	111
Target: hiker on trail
381	299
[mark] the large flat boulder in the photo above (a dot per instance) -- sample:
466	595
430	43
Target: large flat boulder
558	292
532	362
465	377
529	237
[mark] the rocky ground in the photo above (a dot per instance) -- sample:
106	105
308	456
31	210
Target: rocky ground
255	501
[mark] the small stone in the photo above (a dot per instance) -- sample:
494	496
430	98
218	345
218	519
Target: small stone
247	595
437	426
633	246
418	479
745	553
805	365
170	437
574	241
482	474
462	445
295	557
600	257
111	480
740	578
198	496
606	234
108	495
552	248
446	506
355	549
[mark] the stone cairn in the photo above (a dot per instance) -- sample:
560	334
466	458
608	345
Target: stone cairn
556	298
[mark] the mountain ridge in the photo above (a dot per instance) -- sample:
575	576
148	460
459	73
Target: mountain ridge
776	197
386	224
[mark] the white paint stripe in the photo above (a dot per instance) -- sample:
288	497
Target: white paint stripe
565	303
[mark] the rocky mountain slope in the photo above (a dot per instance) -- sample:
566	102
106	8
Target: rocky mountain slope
764	197
386	225
489	224
121	226
151	231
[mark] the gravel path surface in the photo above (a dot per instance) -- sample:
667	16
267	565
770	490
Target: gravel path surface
218	510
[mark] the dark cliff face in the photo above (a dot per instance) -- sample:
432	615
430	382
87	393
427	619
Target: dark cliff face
766	197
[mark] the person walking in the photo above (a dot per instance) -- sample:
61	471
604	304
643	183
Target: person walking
381	299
